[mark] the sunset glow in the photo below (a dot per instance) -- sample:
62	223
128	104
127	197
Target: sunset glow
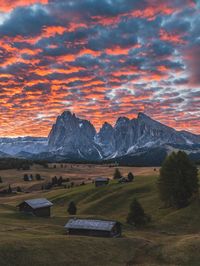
100	60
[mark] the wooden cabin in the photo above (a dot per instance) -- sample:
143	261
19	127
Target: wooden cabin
101	181
88	227
36	207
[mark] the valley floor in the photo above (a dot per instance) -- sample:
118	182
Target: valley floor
172	238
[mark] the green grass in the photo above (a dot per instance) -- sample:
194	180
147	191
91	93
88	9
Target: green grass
172	238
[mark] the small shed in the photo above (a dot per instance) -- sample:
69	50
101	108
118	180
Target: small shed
90	227
101	181
37	207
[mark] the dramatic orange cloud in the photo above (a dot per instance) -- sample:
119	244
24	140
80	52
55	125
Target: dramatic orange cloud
99	60
171	37
6	6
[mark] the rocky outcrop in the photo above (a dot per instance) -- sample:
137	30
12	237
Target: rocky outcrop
72	135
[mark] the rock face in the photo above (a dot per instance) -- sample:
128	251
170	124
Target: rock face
128	136
106	139
74	136
76	139
71	135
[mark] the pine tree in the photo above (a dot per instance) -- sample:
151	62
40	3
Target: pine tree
9	189
130	177
178	181
26	177
54	180
60	181
72	208
117	174
38	177
136	215
19	189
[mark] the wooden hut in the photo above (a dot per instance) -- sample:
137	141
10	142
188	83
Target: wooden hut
101	181
37	207
88	227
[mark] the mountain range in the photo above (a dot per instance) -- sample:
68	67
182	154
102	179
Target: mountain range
140	141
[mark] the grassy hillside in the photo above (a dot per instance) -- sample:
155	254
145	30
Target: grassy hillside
172	238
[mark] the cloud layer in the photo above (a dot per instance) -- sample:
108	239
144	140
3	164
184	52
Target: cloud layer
99	59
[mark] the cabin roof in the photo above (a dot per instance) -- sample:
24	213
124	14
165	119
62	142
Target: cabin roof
38	203
103	179
88	224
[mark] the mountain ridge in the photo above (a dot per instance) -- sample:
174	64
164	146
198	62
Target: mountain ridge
127	136
74	138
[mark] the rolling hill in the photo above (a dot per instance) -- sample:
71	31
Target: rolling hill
172	238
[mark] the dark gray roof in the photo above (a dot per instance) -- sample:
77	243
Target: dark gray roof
38	203
101	225
102	179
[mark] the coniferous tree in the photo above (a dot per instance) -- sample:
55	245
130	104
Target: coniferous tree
72	208
130	177
60	181
136	215
19	189
117	174
38	177
178	181
54	181
26	177
9	189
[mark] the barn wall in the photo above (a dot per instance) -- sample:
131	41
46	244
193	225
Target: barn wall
85	232
42	212
116	230
24	207
100	183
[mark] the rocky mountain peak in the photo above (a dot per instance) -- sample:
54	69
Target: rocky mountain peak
143	116
72	135
106	126
67	114
76	139
122	121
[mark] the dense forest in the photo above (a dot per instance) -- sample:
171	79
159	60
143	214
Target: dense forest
15	163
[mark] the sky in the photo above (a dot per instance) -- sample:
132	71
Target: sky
100	59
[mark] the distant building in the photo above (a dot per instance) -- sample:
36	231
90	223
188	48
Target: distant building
37	207
89	227
101	181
